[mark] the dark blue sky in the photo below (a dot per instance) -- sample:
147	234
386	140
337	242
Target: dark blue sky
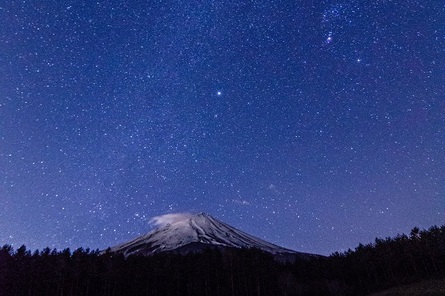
315	125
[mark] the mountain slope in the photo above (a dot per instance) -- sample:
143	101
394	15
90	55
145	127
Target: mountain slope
185	233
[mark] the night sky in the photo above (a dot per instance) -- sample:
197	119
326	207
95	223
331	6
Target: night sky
315	125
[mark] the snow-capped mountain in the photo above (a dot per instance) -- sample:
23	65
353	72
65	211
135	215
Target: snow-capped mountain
185	233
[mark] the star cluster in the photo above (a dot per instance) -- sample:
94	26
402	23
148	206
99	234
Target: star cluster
312	124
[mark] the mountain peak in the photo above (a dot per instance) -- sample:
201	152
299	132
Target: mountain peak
187	232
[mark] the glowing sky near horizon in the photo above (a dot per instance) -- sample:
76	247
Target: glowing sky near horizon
314	125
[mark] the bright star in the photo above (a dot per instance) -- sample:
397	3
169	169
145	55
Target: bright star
329	38
219	93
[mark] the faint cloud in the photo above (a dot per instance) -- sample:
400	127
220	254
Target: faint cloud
241	202
166	219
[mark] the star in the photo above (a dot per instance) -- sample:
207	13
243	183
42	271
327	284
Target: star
329	38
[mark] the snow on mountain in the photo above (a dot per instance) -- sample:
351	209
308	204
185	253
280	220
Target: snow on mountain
187	233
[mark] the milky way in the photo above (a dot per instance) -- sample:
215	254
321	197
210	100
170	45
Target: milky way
315	125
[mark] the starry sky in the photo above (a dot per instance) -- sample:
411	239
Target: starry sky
313	124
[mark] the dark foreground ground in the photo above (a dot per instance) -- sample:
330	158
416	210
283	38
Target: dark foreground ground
424	288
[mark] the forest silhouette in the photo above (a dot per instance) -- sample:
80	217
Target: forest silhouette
376	266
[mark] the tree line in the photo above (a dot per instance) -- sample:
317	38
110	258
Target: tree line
372	267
